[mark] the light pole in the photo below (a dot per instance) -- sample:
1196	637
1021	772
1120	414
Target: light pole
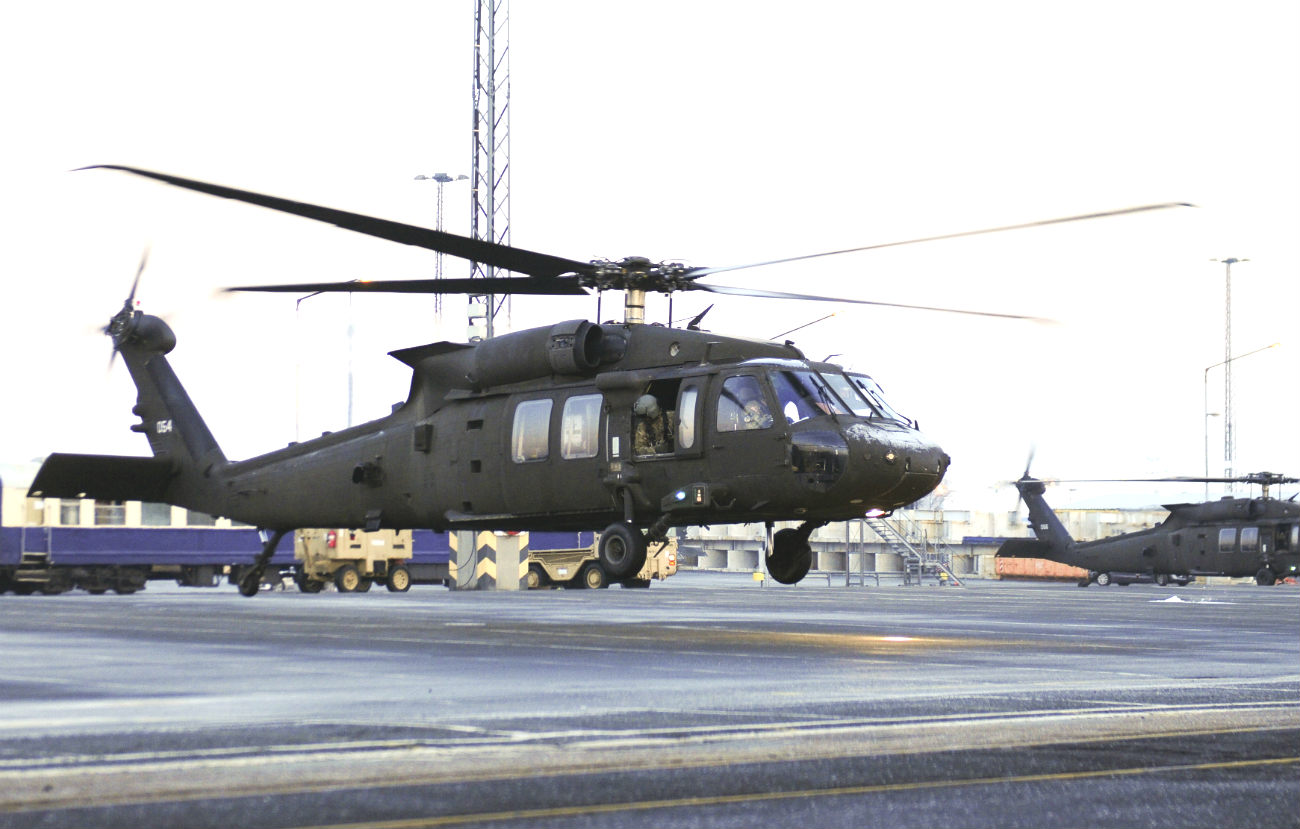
297	369
1205	398
441	179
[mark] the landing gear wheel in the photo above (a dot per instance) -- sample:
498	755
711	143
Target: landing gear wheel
249	583
399	580
790	557
1162	579
1103	579
347	579
621	551
593	577
1265	577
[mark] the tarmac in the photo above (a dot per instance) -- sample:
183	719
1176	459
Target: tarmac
706	700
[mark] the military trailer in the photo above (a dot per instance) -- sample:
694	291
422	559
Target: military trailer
580	567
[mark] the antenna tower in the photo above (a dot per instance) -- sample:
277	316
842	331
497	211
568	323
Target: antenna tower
490	177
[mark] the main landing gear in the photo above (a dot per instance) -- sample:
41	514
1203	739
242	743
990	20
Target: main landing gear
621	551
789	555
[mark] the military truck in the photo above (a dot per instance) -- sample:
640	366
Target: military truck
352	559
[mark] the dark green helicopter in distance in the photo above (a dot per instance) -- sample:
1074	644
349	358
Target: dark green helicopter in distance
1235	537
626	428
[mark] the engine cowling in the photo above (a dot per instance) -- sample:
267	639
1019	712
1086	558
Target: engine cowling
567	348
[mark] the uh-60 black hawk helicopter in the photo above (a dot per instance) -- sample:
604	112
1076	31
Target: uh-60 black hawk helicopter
541	429
1236	537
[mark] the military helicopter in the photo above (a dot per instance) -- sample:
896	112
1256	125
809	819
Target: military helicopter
542	429
1236	537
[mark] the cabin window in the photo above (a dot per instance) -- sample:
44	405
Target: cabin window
69	512
580	427
1250	539
153	514
1288	537
686	417
1228	540
110	513
741	405
529	438
803	394
194	518
852	396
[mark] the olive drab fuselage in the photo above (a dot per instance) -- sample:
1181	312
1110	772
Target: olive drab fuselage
535	430
1235	537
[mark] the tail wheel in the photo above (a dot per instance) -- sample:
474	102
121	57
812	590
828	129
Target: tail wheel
399	580
347	579
249	584
621	551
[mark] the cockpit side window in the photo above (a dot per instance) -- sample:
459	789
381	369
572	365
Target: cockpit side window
872	391
851	395
741	405
804	394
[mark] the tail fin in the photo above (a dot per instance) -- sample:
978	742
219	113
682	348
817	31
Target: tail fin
185	452
1047	528
168	418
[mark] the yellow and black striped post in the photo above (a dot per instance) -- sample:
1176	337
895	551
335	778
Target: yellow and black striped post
487	561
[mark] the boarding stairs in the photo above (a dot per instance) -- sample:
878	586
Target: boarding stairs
34	564
920	555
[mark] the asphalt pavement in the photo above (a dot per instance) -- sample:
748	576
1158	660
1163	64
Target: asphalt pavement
707	700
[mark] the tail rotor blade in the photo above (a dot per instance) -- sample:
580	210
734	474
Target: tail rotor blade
144	261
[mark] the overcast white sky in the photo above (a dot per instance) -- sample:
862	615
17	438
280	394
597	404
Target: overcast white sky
712	133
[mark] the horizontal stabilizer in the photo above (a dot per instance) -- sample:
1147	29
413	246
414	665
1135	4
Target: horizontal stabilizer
103	477
1024	548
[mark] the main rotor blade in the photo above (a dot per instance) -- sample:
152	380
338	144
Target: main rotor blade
548	286
475	250
722	289
695	274
1260	478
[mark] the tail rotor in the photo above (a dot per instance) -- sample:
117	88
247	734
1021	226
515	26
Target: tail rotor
121	325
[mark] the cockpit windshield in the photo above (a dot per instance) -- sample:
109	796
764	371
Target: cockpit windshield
850	394
871	390
804	394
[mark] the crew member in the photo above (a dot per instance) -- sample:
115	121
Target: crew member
651	434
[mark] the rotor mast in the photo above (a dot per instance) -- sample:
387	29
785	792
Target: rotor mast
490	211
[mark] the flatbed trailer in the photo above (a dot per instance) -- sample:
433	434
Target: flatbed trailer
55	559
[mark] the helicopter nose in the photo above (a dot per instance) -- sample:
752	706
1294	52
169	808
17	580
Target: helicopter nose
896	464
